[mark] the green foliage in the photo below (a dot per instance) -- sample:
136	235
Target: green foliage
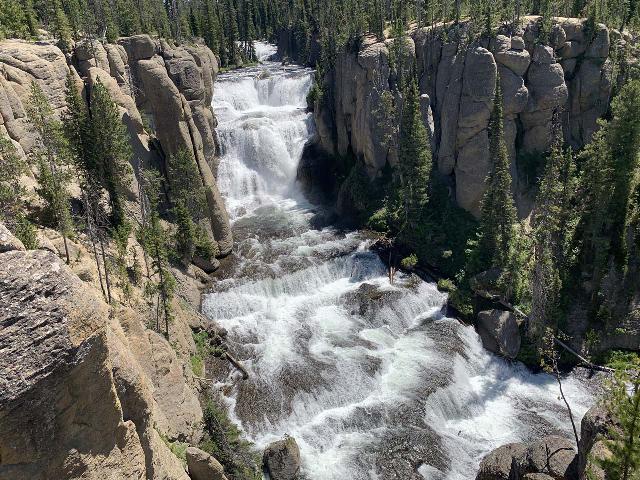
189	208
120	236
179	449
154	239
498	212
111	150
26	232
623	403
52	156
223	440
12	167
410	262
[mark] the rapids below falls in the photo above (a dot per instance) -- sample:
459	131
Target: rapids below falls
391	389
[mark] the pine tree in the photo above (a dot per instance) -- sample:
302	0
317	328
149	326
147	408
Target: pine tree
553	225
414	159
12	167
153	238
61	28
498	212
624	405
52	157
111	151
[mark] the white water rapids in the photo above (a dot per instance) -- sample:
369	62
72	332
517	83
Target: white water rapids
372	380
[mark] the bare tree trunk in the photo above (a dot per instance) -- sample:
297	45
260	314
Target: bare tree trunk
106	269
92	236
573	423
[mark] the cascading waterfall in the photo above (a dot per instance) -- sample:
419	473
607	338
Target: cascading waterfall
371	379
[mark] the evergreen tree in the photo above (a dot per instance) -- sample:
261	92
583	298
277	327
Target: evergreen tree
553	228
12	167
624	405
111	151
414	159
153	238
51	155
498	212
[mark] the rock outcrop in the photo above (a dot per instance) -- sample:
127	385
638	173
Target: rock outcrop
282	459
549	457
571	73
85	389
164	93
203	466
499	332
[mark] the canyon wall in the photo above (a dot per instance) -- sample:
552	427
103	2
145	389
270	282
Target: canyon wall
163	92
571	73
91	390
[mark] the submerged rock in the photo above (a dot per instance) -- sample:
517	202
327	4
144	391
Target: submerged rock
281	459
499	332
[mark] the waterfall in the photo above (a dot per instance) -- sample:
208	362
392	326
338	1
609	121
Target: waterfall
372	379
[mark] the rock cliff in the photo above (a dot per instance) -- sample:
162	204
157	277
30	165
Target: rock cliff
86	390
164	93
572	73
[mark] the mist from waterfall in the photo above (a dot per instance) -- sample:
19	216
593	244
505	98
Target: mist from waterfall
372	379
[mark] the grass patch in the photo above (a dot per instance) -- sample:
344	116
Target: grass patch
179	449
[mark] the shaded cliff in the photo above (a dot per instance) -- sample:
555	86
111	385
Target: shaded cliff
573	73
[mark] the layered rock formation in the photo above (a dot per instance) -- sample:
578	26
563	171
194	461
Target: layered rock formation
86	391
571	73
168	86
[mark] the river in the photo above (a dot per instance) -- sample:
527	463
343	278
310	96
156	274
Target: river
372	379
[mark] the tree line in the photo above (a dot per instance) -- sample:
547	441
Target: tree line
229	27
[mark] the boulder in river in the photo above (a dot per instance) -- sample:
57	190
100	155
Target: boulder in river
553	455
499	332
499	463
281	459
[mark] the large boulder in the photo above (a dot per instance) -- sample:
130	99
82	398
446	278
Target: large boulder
8	242
281	459
594	429
501	462
554	456
203	466
499	332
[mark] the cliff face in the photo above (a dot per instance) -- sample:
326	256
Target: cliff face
89	390
571	73
86	390
169	87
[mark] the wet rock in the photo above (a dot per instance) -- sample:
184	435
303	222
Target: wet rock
281	459
368	299
501	462
499	332
553	455
203	466
8	242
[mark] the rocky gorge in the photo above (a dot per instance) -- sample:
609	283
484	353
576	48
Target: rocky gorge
88	390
